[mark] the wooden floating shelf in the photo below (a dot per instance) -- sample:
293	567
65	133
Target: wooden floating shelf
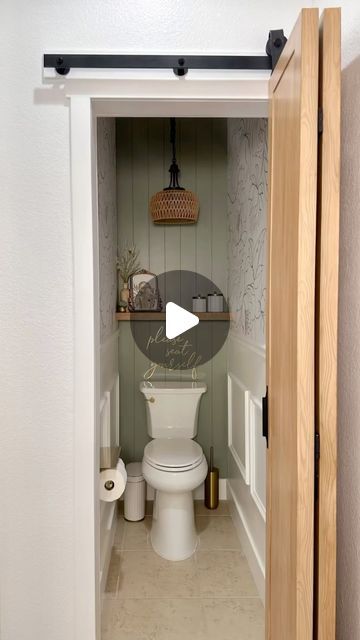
145	316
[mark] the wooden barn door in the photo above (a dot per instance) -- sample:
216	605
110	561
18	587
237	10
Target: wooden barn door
301	332
326	313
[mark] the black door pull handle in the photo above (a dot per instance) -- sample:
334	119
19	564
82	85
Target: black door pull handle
265	418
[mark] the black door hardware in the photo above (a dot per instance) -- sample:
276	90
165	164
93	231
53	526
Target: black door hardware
317	464
265	418
64	62
275	45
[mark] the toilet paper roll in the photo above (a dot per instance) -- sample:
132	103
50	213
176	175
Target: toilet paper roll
112	482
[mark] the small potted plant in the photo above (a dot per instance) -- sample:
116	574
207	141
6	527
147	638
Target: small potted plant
123	306
127	264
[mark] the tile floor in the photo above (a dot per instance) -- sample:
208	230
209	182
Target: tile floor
210	596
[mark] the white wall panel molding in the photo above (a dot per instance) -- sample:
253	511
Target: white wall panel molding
248	541
246	361
238	425
105	420
257	456
246	365
109	436
245	440
109	362
109	415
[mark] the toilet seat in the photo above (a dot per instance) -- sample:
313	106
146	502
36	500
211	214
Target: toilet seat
173	454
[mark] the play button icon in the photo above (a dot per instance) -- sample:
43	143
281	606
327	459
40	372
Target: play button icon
166	329
178	320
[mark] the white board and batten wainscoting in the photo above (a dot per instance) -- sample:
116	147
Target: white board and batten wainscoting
247	451
109	436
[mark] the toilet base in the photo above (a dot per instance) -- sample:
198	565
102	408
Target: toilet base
173	534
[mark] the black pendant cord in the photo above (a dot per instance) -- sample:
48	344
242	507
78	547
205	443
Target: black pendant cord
173	138
174	167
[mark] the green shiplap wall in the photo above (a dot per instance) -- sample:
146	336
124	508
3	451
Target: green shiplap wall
143	159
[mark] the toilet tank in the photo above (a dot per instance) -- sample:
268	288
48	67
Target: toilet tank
172	408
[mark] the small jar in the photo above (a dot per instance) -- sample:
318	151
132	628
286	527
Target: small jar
215	302
199	304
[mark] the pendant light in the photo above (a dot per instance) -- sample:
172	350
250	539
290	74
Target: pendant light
174	204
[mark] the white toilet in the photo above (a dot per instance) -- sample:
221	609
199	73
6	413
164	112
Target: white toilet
173	464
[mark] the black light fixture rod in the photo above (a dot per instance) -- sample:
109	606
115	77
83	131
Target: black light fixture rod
174	167
180	65
173	137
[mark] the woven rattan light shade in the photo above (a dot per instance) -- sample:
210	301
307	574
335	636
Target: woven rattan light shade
174	206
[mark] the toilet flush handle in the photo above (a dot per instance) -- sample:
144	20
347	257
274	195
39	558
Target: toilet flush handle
152	399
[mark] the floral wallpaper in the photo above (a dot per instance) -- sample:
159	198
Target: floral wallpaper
106	143
247	188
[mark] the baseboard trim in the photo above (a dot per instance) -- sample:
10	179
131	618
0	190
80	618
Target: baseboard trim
110	536
255	563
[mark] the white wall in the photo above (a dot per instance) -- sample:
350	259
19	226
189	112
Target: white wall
348	614
348	580
36	271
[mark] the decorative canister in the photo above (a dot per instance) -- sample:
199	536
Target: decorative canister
215	302
199	304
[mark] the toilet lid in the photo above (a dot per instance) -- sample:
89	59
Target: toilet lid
173	453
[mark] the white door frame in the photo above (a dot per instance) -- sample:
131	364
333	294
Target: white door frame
224	95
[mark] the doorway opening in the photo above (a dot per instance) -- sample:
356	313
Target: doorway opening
224	162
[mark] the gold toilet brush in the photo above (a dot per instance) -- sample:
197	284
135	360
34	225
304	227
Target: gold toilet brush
212	484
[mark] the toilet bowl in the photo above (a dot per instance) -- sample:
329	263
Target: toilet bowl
173	534
173	464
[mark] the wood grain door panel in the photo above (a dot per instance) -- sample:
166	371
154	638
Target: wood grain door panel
326	322
291	334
